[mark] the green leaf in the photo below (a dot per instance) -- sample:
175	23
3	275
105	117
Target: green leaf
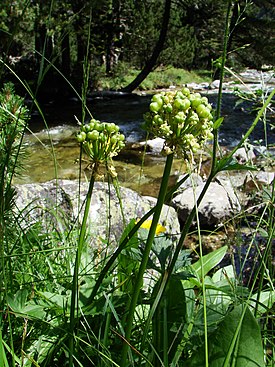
218	123
231	164
3	357
209	261
170	316
21	307
246	341
264	303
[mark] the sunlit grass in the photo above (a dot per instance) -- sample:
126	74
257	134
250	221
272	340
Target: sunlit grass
161	77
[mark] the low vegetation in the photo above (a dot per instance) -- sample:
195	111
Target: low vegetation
143	300
161	77
65	304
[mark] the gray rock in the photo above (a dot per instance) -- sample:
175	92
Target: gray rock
219	204
154	146
244	155
258	180
192	181
58	203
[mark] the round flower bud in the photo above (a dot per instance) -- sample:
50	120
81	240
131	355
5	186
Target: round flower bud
157	98
180	117
93	135
202	111
168	108
80	137
185	91
155	107
195	102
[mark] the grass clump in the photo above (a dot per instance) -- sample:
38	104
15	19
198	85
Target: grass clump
161	77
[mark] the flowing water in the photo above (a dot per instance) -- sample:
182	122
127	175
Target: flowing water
57	142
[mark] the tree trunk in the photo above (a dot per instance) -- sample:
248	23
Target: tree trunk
113	30
158	48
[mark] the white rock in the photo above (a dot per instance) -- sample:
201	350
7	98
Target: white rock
154	145
244	155
219	204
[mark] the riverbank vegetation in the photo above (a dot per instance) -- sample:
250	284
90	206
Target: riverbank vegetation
68	298
47	42
161	77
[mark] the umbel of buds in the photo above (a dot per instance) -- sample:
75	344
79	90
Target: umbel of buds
183	119
101	141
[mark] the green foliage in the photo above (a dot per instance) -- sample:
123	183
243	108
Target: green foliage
13	119
237	341
38	35
161	77
144	303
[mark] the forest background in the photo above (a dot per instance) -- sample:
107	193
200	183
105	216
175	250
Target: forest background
45	41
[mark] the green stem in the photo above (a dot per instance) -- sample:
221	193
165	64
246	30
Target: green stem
166	275
222	68
75	287
148	246
124	243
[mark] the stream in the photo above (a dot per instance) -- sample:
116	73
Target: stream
126	111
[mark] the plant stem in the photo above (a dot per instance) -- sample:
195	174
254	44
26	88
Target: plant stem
148	246
222	67
124	243
166	275
75	288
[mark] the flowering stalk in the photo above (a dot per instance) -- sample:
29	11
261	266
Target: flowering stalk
184	120
101	142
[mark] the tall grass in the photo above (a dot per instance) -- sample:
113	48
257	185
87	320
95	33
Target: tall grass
63	304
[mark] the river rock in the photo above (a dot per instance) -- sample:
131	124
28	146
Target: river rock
59	203
244	155
154	145
218	205
258	180
192	181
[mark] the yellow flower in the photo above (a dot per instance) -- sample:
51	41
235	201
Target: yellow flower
147	225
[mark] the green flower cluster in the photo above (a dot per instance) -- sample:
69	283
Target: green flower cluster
182	118
101	140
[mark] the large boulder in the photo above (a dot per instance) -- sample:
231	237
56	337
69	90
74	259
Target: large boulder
218	205
61	202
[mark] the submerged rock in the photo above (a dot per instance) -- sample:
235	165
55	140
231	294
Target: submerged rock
58	203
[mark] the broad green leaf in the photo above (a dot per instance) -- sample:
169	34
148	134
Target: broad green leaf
21	307
226	273
43	347
265	302
18	300
246	341
209	261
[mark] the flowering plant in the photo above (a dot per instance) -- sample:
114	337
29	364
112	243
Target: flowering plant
182	118
101	141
